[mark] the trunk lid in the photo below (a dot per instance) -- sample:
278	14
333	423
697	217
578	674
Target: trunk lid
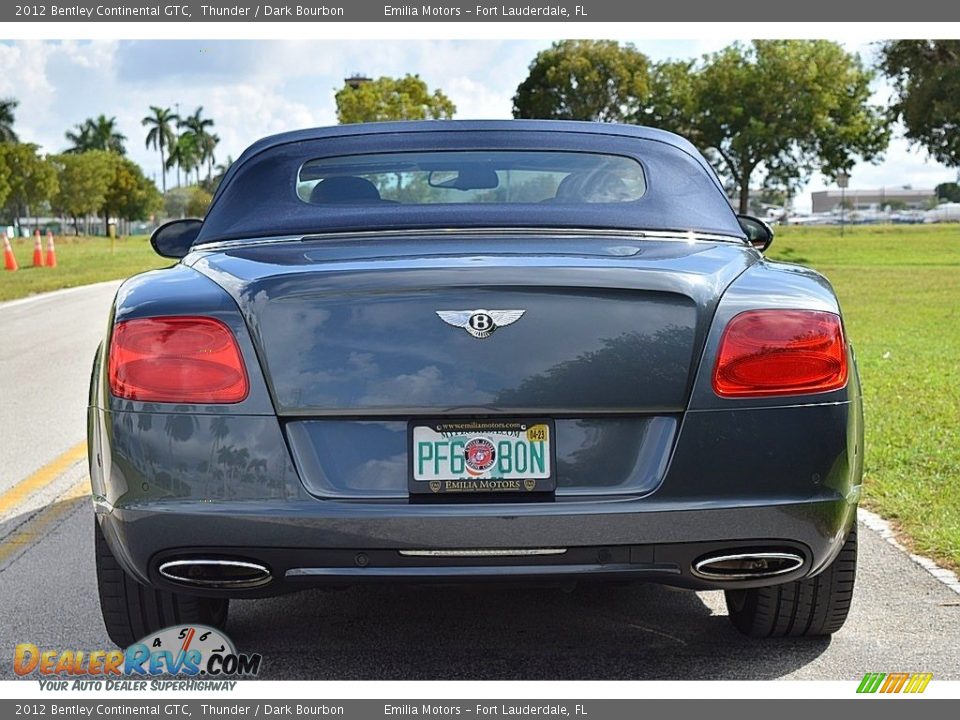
351	326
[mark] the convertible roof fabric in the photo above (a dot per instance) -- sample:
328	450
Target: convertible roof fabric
258	195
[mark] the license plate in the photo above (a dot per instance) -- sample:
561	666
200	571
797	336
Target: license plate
482	456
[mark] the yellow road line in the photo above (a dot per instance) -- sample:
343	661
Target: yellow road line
34	529
13	497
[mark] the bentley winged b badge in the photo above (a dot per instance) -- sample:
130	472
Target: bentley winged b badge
480	323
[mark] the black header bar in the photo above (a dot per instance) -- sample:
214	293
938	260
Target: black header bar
328	11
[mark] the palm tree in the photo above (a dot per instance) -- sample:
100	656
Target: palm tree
205	141
81	137
210	145
221	170
224	166
107	137
97	134
185	153
7	106
161	135
175	157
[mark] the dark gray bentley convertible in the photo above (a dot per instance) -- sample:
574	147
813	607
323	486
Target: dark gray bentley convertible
461	351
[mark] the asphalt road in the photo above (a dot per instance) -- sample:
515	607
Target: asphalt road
903	619
47	345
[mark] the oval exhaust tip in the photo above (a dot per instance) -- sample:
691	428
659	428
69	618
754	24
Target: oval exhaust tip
746	566
213	573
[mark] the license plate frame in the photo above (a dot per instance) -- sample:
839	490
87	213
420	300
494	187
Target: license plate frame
540	476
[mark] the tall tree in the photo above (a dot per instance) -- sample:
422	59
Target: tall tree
161	135
776	108
185	155
926	78
210	143
406	98
7	107
98	133
585	80
32	179
84	179
204	141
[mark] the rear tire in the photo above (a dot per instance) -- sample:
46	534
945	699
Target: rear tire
804	608
131	610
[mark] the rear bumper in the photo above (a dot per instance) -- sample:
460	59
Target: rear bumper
172	486
316	543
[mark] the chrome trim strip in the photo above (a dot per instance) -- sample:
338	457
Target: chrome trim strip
477	552
252	582
699	571
612	233
435	573
492	410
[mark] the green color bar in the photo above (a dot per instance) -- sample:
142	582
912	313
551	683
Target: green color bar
871	682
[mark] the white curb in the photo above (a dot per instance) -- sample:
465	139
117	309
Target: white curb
885	530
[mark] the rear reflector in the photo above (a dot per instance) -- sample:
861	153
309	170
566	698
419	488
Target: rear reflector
781	352
176	360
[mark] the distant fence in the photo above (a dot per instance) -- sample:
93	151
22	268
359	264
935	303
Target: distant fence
85	226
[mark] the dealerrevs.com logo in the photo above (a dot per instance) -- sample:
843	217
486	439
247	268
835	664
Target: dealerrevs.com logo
203	654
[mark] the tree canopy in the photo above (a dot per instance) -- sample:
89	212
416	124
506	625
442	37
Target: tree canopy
783	108
84	179
777	108
198	201
31	179
387	98
98	133
948	191
130	194
7	107
585	80
4	179
926	79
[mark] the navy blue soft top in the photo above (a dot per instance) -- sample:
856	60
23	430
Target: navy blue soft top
258	195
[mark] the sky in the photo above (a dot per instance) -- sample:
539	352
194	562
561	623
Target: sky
256	88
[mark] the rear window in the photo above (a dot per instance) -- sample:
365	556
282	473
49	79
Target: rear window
494	177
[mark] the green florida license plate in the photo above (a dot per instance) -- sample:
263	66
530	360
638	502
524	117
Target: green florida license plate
481	456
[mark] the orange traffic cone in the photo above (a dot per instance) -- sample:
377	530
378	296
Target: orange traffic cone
9	261
51	260
37	250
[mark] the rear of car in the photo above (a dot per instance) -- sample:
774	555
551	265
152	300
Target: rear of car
480	351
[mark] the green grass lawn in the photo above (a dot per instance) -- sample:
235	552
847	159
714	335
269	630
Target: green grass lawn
900	291
899	287
80	261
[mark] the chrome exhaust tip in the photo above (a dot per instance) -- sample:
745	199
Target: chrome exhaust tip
746	566
211	573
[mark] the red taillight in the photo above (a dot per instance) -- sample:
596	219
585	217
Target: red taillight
781	352
176	360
